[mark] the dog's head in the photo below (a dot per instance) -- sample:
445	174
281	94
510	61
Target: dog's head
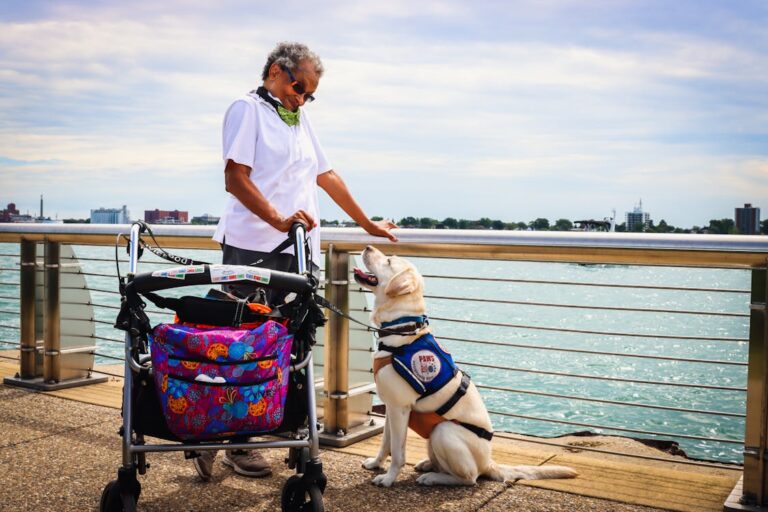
397	286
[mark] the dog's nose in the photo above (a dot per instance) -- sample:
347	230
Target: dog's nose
368	247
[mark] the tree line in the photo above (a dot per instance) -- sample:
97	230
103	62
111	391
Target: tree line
715	226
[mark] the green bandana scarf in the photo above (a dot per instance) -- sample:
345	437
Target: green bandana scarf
288	117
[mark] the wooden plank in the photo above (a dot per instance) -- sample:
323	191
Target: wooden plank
106	394
8	368
642	484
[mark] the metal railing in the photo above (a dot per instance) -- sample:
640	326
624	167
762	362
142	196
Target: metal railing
522	348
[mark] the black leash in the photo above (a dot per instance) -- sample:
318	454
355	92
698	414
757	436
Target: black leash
321	301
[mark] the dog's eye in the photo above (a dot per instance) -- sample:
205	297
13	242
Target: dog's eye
389	261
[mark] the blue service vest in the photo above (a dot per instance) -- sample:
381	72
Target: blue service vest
424	365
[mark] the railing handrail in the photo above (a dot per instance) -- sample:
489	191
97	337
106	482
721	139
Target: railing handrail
721	251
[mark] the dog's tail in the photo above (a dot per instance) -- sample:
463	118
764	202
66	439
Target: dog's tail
502	473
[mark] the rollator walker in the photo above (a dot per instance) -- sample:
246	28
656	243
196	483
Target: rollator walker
253	384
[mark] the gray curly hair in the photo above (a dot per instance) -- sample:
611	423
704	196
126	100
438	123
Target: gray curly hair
289	55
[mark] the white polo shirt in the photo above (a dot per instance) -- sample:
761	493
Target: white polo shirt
285	162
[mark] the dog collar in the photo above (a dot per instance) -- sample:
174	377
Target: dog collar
418	320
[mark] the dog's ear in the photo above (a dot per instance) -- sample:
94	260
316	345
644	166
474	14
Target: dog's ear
402	283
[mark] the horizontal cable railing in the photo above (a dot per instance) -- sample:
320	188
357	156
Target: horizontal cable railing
592	352
588	331
586	284
617	428
585	331
589	307
598	377
612	402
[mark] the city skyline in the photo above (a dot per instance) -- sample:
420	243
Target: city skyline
507	109
636	210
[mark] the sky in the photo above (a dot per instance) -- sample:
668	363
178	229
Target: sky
512	110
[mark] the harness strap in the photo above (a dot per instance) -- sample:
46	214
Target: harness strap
392	350
479	432
460	392
418	320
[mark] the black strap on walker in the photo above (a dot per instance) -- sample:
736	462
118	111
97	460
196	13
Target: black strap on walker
181	260
159	251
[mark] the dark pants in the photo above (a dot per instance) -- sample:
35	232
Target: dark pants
283	262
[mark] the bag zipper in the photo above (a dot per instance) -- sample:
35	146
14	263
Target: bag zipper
209	361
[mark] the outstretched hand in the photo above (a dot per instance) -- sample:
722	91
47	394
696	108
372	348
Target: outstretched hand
382	228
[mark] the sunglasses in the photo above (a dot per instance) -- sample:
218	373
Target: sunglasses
299	87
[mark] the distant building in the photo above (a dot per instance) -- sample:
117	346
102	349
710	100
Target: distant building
591	225
165	217
205	219
748	220
9	213
638	217
110	216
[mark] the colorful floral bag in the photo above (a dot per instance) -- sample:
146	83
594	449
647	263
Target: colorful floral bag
221	381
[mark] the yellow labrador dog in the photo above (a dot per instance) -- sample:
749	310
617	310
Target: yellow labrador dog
409	366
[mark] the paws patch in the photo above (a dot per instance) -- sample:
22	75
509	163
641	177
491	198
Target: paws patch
425	365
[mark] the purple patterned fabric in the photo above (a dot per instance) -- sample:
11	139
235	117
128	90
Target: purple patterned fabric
221	381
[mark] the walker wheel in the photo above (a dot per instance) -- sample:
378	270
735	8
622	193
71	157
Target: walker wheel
299	497
111	501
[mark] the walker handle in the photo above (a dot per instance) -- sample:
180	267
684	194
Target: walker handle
299	234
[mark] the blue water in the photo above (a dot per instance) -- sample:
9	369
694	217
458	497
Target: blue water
510	361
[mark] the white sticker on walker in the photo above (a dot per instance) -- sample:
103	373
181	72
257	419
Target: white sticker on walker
425	365
224	273
179	272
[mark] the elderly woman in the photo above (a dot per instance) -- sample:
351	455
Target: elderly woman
274	164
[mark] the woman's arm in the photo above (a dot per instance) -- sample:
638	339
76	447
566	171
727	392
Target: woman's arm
335	187
237	182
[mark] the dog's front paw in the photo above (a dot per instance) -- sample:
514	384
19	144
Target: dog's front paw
385	480
424	466
373	463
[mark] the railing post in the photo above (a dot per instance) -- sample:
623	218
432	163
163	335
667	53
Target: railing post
52	331
755	480
336	420
28	338
67	362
